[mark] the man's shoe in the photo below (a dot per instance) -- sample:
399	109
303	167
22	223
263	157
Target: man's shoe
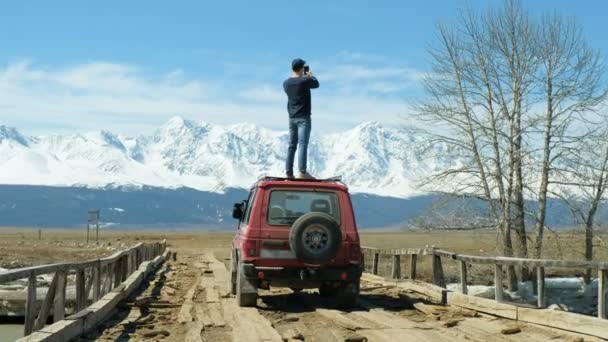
305	175
289	175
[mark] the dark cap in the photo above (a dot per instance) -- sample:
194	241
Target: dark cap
297	64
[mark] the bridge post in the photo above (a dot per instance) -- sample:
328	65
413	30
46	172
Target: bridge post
59	302
125	268
540	287
80	291
413	260
30	305
116	273
375	263
498	291
396	271
96	281
438	278
601	293
45	308
463	277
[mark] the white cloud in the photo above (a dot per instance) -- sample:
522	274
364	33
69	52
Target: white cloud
128	99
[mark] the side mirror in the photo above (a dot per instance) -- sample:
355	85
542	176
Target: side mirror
237	211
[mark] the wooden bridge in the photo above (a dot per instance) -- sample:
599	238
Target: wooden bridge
189	300
103	281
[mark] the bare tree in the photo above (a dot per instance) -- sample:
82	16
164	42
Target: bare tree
586	171
571	77
506	91
482	71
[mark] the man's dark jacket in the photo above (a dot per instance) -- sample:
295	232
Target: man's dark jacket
298	95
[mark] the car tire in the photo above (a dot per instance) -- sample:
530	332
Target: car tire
246	291
315	238
348	294
233	269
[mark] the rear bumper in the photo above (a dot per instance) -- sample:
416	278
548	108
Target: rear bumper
303	274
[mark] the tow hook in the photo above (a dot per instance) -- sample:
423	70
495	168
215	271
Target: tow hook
309	272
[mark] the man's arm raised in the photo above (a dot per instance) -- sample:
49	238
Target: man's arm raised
314	83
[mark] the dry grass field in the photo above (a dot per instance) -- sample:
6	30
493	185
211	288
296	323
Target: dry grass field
21	247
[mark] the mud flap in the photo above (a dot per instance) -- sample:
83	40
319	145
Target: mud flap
247	282
246	287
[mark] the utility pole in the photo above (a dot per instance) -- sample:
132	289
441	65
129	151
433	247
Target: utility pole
93	220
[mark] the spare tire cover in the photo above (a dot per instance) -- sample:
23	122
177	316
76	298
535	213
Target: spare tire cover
315	238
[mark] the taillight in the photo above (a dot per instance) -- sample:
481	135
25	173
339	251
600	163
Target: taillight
354	254
249	248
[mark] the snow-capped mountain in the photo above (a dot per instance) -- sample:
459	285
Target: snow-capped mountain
370	158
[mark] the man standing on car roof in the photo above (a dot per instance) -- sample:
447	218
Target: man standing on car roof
297	87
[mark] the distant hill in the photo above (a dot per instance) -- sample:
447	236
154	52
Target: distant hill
124	206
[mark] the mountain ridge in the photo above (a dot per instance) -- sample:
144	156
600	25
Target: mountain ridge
371	158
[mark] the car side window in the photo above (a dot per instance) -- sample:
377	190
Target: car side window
249	205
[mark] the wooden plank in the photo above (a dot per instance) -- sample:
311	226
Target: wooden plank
202	316
484	305
194	332
565	321
342	320
444	254
80	293
463	277
375	264
379	319
438	278
541	300
215	313
24	272
418	335
413	260
498	290
30	305
211	295
601	293
429	309
532	262
45	308
433	292
185	313
59	302
396	269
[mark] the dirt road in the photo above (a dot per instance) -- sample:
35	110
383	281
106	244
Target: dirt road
189	300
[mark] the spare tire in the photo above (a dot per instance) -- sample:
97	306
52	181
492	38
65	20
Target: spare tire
315	238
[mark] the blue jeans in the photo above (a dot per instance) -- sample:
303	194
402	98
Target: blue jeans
299	134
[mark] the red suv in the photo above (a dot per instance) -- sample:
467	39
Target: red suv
297	234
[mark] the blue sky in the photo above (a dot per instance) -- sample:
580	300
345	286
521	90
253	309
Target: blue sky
129	66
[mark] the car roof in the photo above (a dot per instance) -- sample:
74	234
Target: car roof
274	182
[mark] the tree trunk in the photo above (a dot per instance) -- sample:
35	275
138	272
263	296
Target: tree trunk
599	192
544	182
518	198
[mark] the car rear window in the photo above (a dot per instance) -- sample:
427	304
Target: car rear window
286	206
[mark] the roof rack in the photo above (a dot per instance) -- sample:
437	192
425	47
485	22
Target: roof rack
335	179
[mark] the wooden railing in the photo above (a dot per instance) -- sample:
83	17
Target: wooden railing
104	275
538	264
